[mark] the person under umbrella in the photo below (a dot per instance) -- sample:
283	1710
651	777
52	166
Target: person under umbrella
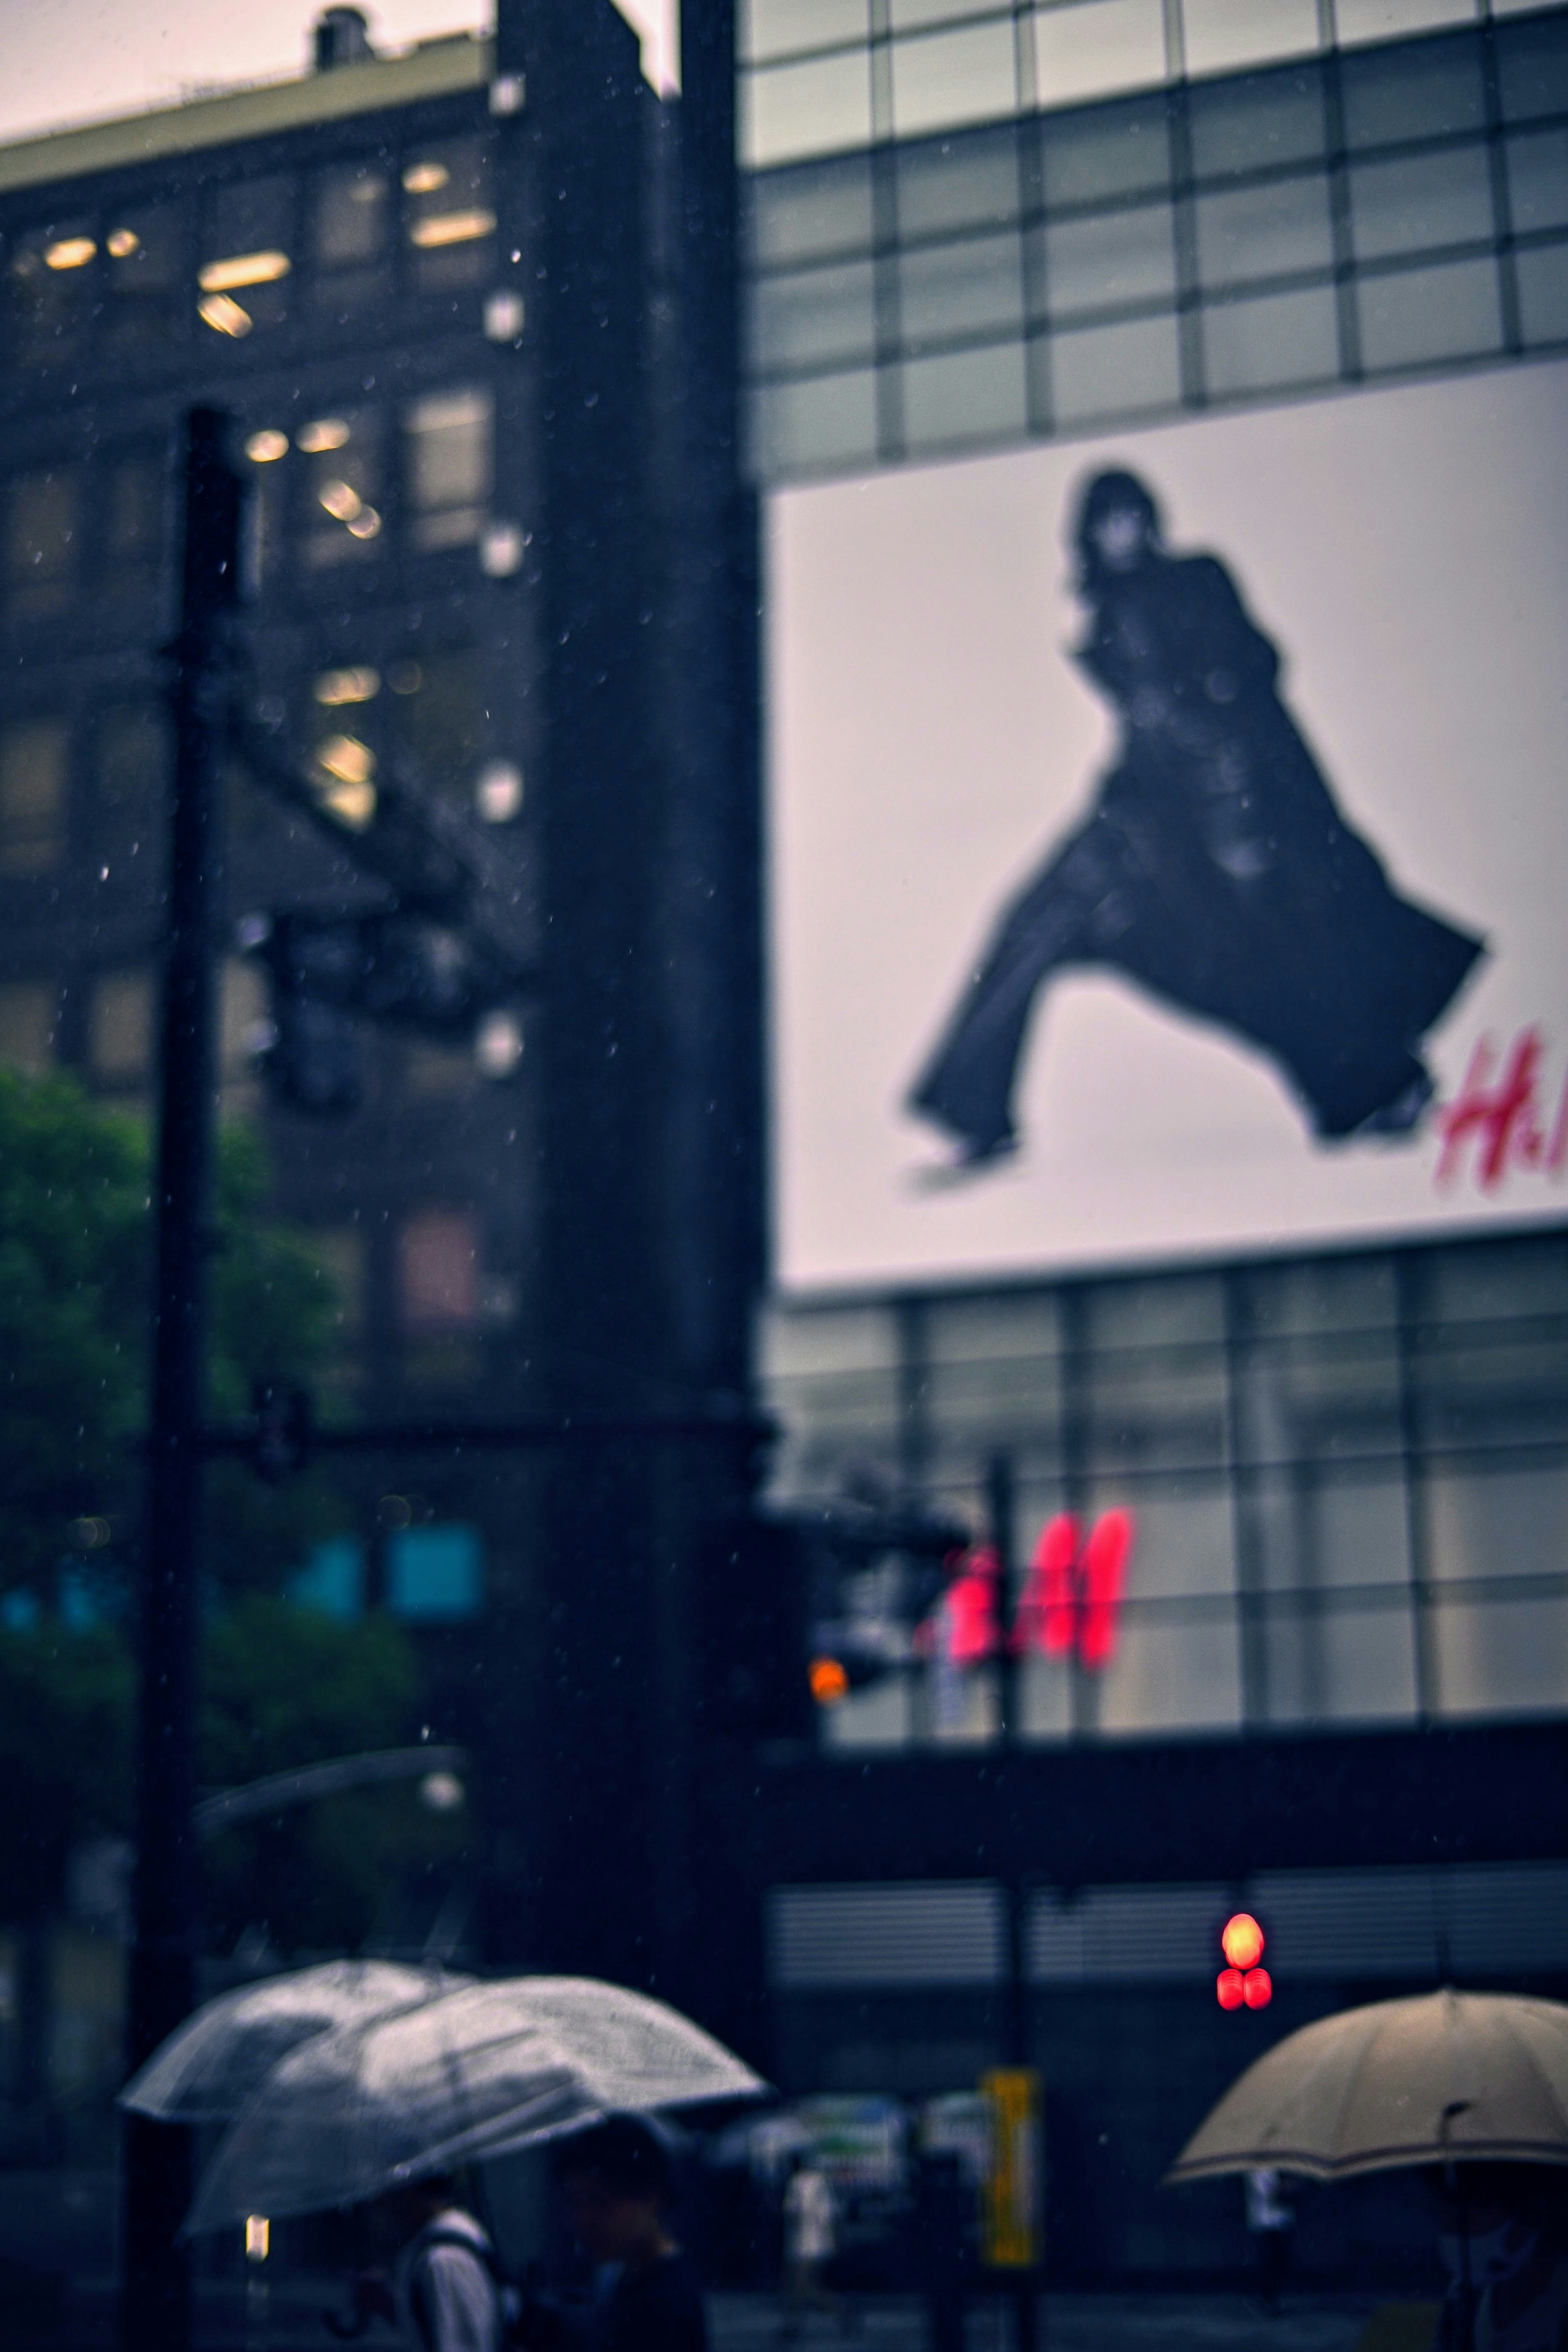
618	2185
444	2294
1504	2246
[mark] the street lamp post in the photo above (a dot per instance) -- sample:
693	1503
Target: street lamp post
156	2316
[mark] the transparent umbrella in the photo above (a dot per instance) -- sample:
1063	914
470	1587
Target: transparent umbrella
210	2066
480	2072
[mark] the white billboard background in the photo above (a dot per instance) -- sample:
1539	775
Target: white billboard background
930	739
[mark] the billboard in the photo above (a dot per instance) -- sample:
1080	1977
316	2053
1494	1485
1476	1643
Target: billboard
1169	839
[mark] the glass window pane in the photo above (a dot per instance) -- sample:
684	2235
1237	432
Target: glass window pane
440	705
1501	1657
131	769
1537	179
907	16
28	1013
52	283
950	78
42	535
132	488
449	215
435	1573
1264	231
1245	126
449	466
1120	256
1220	35
969	288
1533	67
805	110
1420	92
1087	47
1277	341
350	217
1543	294
35	755
438	1270
1430	314
146	269
121	1040
776	28
343	492
824	422
1334	1663
816	210
816	314
1111	151
247	257
970	182
1105	372
1390	20
1420	201
965	396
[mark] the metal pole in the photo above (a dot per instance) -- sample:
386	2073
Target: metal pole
156	2307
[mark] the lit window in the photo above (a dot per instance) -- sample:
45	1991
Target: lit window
247	243
51	291
435	1572
225	316
265	447
122	243
343	519
243	269
34	772
449	467
451	228
449	215
335	688
345	778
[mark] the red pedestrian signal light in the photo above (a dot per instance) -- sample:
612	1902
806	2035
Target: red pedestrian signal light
1241	1983
1241	1941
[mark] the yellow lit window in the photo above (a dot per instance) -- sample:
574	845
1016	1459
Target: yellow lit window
335	688
225	316
69	252
451	228
243	269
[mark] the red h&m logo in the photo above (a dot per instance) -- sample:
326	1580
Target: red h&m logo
1070	1606
1500	1112
1072	1595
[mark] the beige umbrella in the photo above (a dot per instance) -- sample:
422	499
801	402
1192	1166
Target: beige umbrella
1450	2077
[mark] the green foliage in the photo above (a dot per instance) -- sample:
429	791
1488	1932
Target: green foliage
66	1703
75	1277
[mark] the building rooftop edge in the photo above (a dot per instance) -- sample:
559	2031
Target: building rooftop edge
436	69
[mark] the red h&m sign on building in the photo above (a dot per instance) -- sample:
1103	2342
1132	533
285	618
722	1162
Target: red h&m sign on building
1070	1606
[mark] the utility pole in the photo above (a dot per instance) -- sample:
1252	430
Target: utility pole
156	2309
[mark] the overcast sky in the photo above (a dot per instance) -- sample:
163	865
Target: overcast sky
71	60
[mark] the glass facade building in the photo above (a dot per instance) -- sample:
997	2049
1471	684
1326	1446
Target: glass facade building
963	234
971	228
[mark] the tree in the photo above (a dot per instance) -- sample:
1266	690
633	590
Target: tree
75	1278
283	1687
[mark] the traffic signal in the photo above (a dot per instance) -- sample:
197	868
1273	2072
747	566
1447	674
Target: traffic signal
1241	1983
326	970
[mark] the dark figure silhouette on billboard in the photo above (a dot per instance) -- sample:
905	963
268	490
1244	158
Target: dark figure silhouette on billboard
1214	869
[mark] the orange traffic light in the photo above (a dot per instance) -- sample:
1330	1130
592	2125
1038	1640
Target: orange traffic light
829	1681
1241	1941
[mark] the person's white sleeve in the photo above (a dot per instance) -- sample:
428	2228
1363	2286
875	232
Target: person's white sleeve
459	2301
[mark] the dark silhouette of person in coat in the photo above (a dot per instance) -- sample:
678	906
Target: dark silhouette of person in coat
1214	869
